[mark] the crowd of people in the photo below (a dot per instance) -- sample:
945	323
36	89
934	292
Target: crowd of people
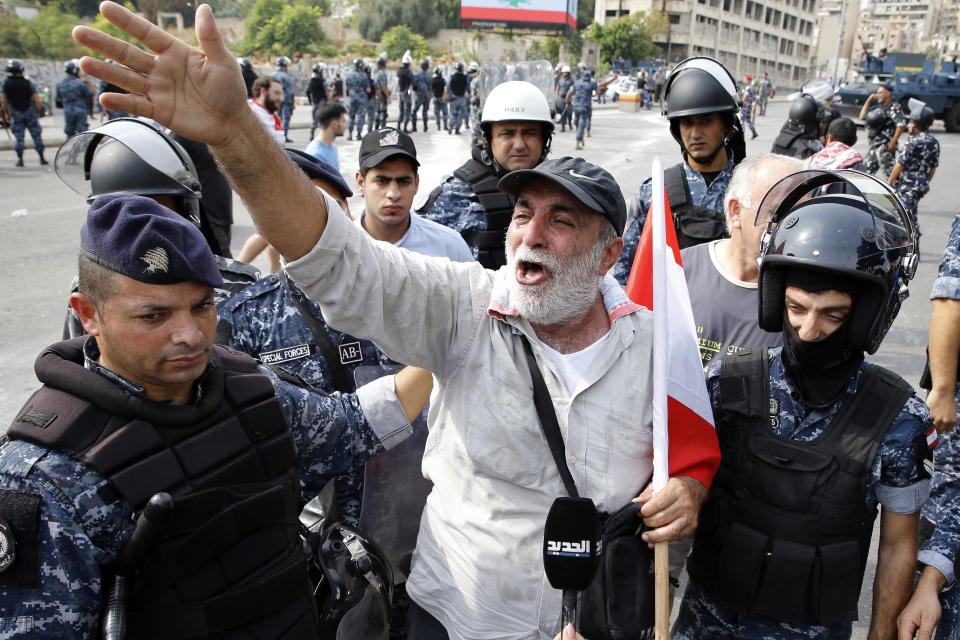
159	475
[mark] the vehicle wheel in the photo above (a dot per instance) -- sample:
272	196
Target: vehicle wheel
951	119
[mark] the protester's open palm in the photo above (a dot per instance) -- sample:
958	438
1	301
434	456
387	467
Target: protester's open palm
195	92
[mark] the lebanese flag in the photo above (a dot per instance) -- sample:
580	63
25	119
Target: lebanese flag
682	415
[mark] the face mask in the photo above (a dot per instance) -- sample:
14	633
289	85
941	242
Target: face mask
819	369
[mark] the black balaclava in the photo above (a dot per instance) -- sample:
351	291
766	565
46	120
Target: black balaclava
820	370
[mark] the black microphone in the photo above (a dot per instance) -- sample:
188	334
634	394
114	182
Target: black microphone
571	549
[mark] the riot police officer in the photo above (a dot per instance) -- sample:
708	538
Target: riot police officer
516	134
580	98
358	87
286	107
564	84
438	87
457	90
374	97
917	161
249	75
798	137
700	100
76	97
885	123
405	91
382	92
316	94
813	438
421	87
146	404
20	106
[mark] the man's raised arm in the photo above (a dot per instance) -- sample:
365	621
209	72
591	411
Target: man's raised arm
200	94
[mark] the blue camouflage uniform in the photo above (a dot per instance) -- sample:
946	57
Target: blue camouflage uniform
702	195
437	87
106	87
286	107
918	157
582	97
457	208
940	550
746	112
23	115
373	104
83	525
878	158
458	105
566	112
75	95
421	86
379	86
265	323
357	84
899	481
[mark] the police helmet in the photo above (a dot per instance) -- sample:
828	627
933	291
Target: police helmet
565	69
581	65
803	114
71	67
245	63
845	224
558	68
473	67
459	66
283	61
425	64
876	118
438	70
358	64
920	113
382	60
517	100
318	68
352	577
697	86
14	66
134	156
407	58
587	75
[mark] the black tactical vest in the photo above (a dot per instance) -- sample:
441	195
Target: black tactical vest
785	530
229	562
458	83
497	208
438	85
796	144
694	224
403	78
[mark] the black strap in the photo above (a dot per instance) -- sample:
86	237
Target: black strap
341	379
548	420
675	181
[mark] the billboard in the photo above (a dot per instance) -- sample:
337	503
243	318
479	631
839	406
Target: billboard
529	14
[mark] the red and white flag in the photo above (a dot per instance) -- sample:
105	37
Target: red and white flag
684	436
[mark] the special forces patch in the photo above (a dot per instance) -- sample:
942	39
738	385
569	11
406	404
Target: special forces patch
285	354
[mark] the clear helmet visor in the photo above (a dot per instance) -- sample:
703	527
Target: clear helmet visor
74	157
891	225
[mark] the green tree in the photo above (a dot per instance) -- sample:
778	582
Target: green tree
549	48
377	16
398	39
45	36
278	28
630	36
585	14
107	27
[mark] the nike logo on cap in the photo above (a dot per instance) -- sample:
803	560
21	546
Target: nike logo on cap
577	175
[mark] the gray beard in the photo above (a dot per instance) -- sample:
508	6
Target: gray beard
566	295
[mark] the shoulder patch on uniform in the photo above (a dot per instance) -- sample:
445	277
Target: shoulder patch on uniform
19	539
38	417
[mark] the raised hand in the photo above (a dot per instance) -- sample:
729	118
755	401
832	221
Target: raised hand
199	93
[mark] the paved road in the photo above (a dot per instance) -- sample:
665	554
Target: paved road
38	255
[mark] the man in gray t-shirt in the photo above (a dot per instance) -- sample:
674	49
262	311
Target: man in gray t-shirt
722	275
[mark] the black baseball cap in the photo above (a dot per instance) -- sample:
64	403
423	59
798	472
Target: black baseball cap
592	186
385	143
316	168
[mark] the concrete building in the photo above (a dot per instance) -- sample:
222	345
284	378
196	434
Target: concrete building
747	36
898	25
834	34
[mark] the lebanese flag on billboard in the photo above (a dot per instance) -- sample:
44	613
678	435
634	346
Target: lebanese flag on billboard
684	436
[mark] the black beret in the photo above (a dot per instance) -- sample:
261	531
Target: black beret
316	168
141	239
